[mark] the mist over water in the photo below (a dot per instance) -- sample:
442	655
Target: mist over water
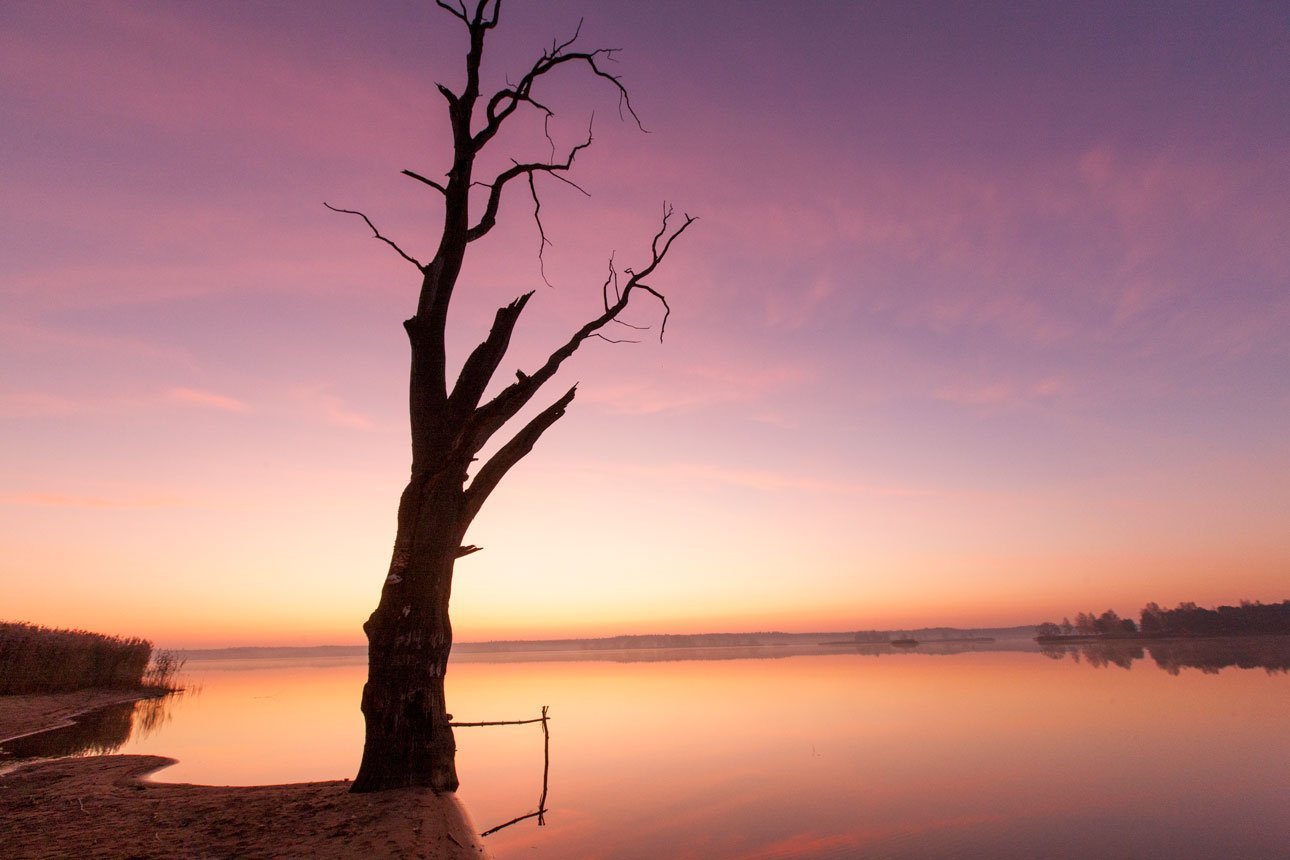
1157	751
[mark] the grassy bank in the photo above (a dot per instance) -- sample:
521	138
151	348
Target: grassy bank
35	659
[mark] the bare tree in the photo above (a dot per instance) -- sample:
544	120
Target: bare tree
409	739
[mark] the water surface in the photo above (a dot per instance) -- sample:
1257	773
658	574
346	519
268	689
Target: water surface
866	753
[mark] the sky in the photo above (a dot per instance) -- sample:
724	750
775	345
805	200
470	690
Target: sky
985	319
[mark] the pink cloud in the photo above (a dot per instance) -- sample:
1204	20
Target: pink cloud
36	404
18	334
60	500
1157	198
271	91
1048	386
977	395
696	387
207	399
1038	251
337	413
1140	295
794	309
331	408
1000	393
766	480
1137	189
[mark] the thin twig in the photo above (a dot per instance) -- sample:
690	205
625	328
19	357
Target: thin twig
377	234
500	723
542	239
540	814
490	831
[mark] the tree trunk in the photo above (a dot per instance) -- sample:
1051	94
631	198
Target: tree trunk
409	741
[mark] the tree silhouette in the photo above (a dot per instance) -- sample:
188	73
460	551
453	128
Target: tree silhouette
409	738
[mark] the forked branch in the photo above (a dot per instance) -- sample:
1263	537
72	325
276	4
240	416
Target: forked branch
504	102
492	472
484	359
490	417
489	219
459	11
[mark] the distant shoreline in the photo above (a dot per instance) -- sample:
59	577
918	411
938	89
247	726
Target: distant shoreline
954	641
635	642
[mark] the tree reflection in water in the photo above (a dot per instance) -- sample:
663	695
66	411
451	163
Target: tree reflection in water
99	732
540	813
1270	653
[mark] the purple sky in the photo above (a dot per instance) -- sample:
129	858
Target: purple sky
985	319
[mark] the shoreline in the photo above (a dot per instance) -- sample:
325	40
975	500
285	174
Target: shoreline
76	806
24	714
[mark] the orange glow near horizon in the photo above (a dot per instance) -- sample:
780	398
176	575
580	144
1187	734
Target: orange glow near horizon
498	595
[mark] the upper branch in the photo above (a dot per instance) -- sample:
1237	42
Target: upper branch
377	234
476	20
489	219
504	102
479	368
667	309
419	178
490	417
458	12
657	254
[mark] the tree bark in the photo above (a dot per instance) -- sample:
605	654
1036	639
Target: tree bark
409	741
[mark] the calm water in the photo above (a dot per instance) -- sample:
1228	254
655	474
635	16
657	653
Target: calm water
824	755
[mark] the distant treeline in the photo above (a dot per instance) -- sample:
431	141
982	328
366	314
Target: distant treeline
1250	618
938	634
37	659
684	640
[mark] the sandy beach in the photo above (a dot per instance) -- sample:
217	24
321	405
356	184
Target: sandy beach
103	806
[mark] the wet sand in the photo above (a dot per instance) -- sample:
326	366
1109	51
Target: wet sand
100	806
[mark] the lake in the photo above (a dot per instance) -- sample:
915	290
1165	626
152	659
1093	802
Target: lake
765	753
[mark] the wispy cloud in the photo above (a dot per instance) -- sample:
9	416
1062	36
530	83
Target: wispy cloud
36	404
698	387
1000	393
271	89
207	399
28	336
63	500
766	480
332	409
336	412
793	309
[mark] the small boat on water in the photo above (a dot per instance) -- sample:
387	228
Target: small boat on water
904	643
